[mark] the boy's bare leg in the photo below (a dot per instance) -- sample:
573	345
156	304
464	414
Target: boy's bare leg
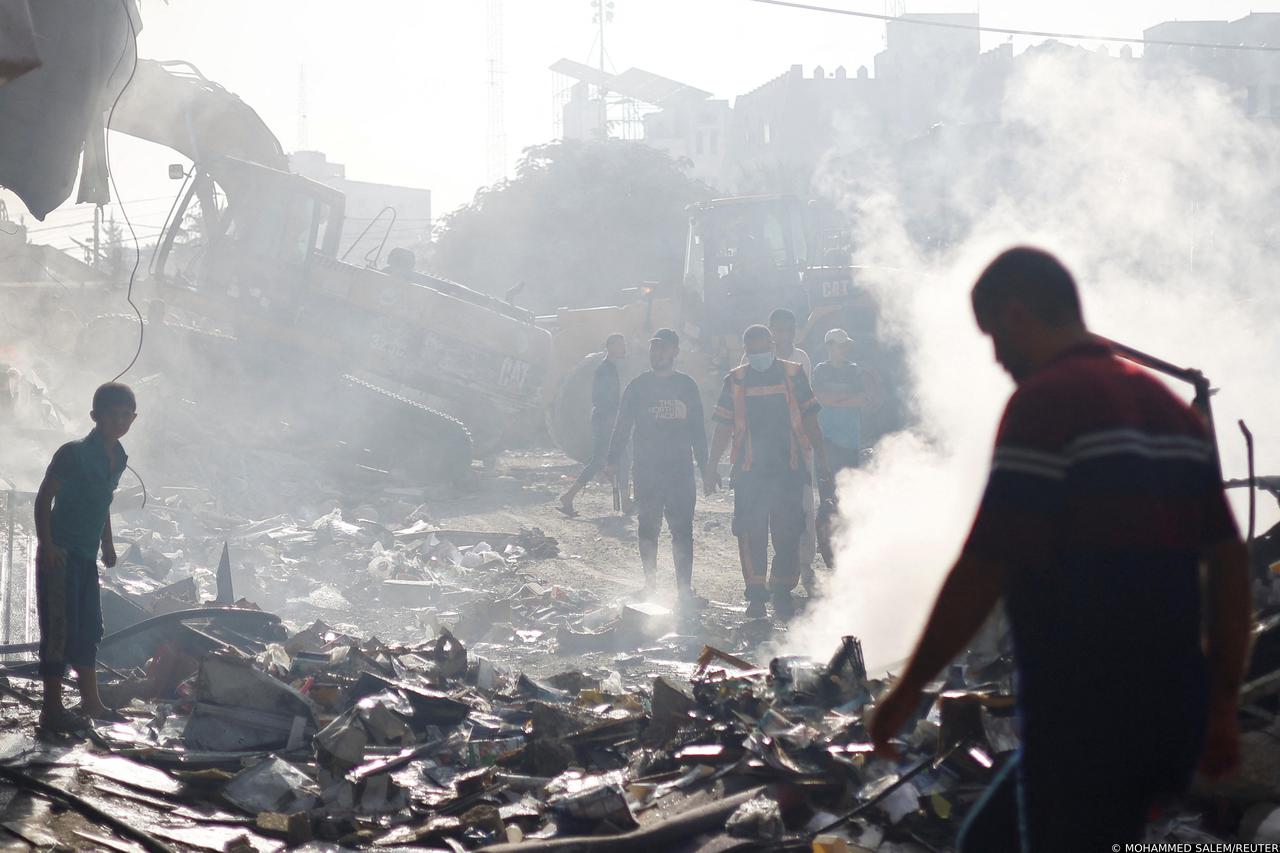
90	702
54	718
51	701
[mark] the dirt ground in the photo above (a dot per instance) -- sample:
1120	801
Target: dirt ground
598	548
597	556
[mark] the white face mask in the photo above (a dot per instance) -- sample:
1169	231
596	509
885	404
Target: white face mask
760	361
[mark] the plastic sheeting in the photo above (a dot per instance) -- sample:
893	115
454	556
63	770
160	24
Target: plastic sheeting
87	50
17	40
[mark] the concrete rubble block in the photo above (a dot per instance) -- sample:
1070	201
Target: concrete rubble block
272	785
343	740
294	828
645	619
383	724
759	817
591	797
378	794
410	593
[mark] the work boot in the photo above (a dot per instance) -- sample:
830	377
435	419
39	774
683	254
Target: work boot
688	601
784	606
809	581
755	609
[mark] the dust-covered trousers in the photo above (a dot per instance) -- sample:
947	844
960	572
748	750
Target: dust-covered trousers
672	494
69	606
1092	786
764	507
601	432
808	539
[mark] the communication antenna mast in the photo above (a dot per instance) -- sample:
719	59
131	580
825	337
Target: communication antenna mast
895	8
497	138
603	14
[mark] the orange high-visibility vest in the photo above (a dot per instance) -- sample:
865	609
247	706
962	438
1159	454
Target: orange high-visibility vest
742	434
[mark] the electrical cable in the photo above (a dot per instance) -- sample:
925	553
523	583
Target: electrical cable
1012	32
130	41
142	483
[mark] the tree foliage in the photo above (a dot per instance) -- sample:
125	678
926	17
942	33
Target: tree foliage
579	222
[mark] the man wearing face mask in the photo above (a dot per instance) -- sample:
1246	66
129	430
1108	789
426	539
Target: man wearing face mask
663	408
768	413
782	325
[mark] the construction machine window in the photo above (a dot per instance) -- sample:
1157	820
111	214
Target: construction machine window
198	221
274	223
775	239
752	239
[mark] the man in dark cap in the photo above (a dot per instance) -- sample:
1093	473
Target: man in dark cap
663	409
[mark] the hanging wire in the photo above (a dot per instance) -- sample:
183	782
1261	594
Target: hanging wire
954	25
130	41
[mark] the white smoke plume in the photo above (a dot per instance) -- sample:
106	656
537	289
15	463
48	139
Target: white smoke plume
1158	192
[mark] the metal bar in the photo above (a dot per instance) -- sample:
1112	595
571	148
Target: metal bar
31	587
1253	479
1193	377
1186	374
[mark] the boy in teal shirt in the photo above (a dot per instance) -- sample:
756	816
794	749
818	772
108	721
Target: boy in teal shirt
73	521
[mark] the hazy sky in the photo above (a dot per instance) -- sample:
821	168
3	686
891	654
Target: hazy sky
397	89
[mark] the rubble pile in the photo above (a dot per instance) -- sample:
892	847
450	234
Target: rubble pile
402	580
273	737
255	738
498	709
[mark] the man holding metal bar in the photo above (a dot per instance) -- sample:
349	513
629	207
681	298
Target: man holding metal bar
1103	502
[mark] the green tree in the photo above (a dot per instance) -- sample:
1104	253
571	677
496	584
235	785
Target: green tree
579	222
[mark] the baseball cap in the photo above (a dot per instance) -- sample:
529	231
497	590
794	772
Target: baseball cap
666	336
837	336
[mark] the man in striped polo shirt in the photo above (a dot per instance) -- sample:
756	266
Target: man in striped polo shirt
1103	502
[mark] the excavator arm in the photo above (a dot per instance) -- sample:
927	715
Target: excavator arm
173	104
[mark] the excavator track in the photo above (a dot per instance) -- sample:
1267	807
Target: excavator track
424	441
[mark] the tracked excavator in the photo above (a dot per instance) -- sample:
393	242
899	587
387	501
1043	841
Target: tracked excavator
413	371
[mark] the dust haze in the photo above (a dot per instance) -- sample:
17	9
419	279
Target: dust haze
1159	194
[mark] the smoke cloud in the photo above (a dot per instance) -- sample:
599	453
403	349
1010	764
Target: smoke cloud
1158	193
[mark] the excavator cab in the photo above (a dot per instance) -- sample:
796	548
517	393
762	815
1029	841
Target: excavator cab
249	233
745	256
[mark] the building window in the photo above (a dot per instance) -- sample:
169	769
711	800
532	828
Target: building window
1251	100
715	142
697	143
768	133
